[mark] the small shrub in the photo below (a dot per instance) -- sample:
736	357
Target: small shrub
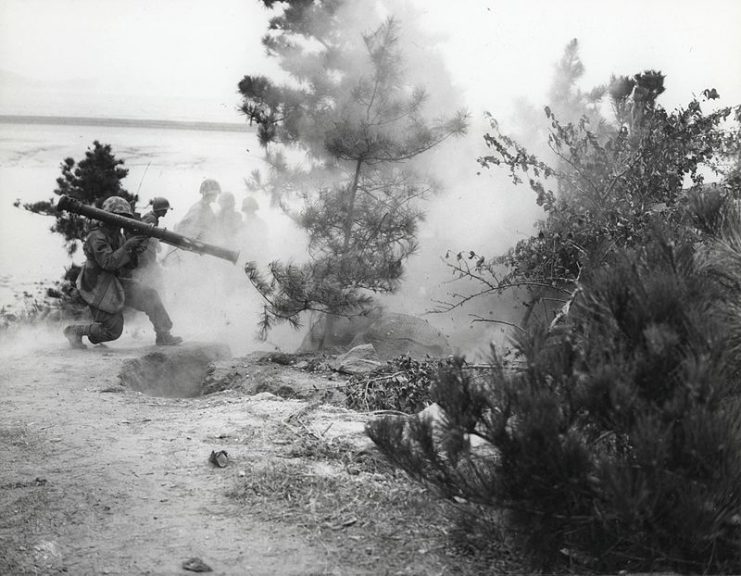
402	385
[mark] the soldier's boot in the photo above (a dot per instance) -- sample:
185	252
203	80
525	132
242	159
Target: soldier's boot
74	334
167	339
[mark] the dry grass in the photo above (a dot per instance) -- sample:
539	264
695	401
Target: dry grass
368	517
23	504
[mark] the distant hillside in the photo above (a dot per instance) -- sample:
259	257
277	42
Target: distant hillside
11	79
87	102
124	123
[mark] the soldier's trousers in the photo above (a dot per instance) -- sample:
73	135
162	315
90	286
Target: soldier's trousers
107	326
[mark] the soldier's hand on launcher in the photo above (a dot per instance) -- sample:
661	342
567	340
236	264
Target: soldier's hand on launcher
136	244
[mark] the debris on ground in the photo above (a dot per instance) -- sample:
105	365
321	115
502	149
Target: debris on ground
219	459
196	565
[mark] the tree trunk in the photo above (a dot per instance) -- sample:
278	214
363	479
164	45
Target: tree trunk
351	205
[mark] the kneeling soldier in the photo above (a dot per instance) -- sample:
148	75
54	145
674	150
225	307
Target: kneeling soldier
105	285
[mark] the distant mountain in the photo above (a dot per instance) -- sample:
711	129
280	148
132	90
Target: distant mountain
83	98
12	80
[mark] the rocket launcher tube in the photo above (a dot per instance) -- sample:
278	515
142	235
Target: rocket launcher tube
143	229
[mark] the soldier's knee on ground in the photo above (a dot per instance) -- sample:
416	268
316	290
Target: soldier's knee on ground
105	332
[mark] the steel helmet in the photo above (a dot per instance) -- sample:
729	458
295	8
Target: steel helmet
210	187
226	200
249	204
117	205
160	203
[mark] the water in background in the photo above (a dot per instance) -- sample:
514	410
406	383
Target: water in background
161	162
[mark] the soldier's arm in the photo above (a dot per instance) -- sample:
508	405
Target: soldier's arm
108	258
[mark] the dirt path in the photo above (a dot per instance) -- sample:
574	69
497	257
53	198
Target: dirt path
96	480
99	479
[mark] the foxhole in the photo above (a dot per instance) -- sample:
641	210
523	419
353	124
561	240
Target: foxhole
177	372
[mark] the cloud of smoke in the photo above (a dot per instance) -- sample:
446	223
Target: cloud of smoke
19	340
476	209
211	299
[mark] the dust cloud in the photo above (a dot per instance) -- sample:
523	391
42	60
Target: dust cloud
26	339
473	209
211	300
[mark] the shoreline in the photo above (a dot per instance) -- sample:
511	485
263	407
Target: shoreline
125	123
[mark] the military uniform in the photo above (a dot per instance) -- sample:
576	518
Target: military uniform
200	221
229	221
254	234
106	285
148	269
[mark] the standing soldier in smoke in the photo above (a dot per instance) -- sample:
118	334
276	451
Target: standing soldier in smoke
228	220
200	221
254	237
105	285
149	272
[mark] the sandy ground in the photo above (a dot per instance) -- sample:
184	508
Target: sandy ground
97	479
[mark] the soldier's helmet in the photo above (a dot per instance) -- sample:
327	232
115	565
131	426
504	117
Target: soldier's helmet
160	203
210	187
226	200
117	205
249	204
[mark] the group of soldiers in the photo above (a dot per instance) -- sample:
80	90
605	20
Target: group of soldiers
121	271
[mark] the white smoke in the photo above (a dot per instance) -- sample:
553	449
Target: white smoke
476	210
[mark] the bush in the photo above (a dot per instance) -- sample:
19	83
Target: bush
44	304
403	385
619	440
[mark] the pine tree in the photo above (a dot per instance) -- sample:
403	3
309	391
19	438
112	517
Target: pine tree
617	438
349	111
92	180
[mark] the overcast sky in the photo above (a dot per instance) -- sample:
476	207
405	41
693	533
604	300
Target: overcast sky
183	58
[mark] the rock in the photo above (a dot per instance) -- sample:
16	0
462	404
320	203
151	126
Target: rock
477	447
280	358
358	360
471	447
265	396
393	335
196	565
334	334
433	415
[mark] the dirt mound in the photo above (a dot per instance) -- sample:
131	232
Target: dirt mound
304	376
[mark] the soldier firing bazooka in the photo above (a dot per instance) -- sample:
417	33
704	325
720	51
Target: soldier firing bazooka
106	287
